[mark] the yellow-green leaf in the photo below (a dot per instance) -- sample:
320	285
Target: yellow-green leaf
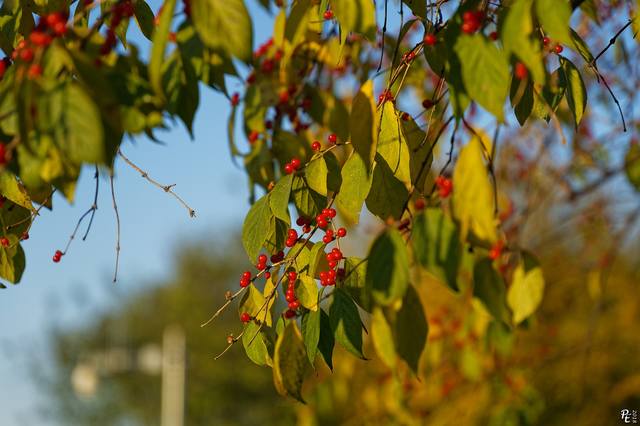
363	125
307	292
527	288
290	362
383	338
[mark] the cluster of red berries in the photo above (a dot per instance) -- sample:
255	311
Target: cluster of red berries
328	15
4	242
292	165
263	48
386	96
292	238
472	21
290	294
262	262
328	278
119	12
329	235
444	185
245	280
430	39
57	256
323	219
546	41
278	257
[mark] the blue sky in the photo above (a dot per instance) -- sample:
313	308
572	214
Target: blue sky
153	224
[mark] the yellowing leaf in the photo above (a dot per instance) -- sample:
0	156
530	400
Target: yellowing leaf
527	288
363	125
358	16
253	302
473	197
392	146
290	362
383	338
307	292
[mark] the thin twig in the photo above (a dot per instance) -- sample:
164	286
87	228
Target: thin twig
95	204
115	209
165	188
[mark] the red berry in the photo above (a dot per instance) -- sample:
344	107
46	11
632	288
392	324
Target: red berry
245	317
332	264
327	239
294	305
328	14
289	314
316	146
332	213
246	275
3	161
24	236
244	282
292	275
262	258
267	275
295	163
546	41
283	97
60	29
342	232
496	250
420	204
292	234
322	223
468	28
235	99
427	103
4	242
468	16
521	71
493	35
558	49
333	139
288	168
430	39
253	136
26	54
35	71
405	116
39	38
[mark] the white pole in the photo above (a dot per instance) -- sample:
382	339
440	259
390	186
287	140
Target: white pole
173	376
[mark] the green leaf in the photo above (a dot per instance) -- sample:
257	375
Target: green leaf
436	245
552	94
12	260
576	90
308	202
554	16
144	17
82	133
255	110
279	198
290	362
392	146
388	195
346	323
632	165
517	38
363	125
581	47
224	24
489	288
527	288
158	46
307	292
253	302
388	268
485	72
356	183
311	332
355	282
473	197
13	190
327	341
418	7
382	337
316	174
411	329
254	229
258	349
521	99
421	156
334	177
358	16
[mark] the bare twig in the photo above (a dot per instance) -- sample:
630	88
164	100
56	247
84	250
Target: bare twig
91	211
115	209
166	188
